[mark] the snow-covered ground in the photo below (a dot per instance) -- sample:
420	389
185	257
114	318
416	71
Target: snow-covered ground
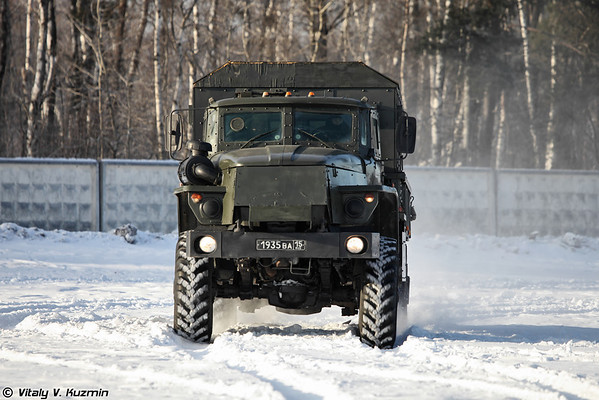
493	318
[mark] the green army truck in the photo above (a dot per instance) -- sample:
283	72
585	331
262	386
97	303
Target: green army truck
293	191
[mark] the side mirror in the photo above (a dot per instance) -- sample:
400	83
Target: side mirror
174	137
405	134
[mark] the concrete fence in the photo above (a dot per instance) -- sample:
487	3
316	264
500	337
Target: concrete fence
505	202
102	195
88	194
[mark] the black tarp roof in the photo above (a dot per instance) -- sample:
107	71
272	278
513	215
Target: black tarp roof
239	74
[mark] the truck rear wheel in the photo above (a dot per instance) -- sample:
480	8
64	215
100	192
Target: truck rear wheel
192	294
379	298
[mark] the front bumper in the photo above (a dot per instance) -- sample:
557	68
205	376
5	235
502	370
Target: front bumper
318	245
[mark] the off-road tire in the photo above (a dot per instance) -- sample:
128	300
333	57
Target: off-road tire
379	298
193	295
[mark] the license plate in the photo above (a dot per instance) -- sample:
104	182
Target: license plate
285	245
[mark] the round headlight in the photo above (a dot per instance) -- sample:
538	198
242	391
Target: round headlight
355	245
207	244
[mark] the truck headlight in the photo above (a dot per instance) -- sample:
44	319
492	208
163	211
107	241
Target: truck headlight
355	244
207	244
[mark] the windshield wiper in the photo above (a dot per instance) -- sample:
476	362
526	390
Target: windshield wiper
315	137
258	137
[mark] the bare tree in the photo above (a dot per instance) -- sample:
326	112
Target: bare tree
404	44
176	40
48	111
134	61
437	81
529	100
195	49
246	29
28	39
465	139
318	26
4	39
368	50
549	149
132	74
500	140
159	149
40	81
291	27
269	27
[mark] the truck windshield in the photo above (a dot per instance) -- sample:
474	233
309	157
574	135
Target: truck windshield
244	126
330	127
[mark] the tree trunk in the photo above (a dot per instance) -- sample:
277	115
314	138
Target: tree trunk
28	51
134	62
549	150
49	99
120	35
27	72
177	39
99	79
132	72
354	15
269	27
79	133
345	42
404	46
159	150
501	134
318	29
290	31
484	147
529	101
4	36
437	82
37	91
178	91
192	60
454	155
246	28
466	139
370	34
212	36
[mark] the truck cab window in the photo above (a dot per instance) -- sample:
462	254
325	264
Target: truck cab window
376	136
330	127
364	128
243	126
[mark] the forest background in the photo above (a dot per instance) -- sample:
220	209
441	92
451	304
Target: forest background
493	83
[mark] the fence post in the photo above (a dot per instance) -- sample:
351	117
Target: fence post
494	201
100	180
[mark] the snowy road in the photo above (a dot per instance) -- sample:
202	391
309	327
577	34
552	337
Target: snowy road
492	318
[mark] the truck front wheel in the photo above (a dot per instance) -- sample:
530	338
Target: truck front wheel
192	294
380	298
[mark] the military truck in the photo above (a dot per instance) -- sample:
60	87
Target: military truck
293	191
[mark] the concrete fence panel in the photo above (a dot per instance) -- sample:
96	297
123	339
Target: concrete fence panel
140	193
49	194
550	202
452	200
